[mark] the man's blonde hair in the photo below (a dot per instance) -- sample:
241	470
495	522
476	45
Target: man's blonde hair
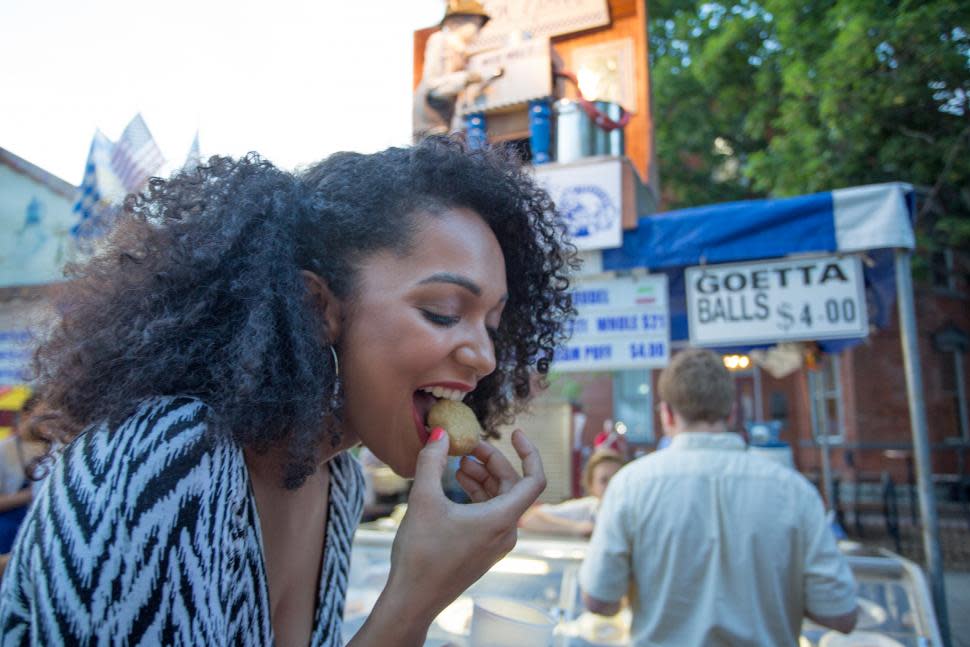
697	386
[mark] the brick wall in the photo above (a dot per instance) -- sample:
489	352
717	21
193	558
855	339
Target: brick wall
882	411
874	393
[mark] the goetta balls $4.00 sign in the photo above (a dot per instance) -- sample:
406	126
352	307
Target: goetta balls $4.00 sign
459	421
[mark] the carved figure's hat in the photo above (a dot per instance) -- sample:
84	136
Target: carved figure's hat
466	8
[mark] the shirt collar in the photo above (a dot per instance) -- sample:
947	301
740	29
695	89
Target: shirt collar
707	440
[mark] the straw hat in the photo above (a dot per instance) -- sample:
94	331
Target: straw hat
466	8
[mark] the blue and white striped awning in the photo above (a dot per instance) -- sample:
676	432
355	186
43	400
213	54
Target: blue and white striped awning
877	216
872	219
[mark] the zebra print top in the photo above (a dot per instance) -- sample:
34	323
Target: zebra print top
148	535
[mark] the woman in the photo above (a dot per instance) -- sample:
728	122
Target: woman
577	516
243	329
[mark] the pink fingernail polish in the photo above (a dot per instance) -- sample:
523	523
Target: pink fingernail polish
436	434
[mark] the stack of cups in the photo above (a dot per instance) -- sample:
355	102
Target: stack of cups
497	622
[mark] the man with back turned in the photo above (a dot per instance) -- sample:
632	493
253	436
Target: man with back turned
716	546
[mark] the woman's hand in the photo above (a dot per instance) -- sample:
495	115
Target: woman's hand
442	547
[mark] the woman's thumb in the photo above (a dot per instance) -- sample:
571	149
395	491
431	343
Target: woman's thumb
432	461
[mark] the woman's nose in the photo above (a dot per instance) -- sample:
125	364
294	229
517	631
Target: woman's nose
478	353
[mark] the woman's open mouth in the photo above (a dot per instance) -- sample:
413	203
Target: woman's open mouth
424	398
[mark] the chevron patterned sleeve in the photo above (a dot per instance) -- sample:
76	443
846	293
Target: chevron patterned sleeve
142	535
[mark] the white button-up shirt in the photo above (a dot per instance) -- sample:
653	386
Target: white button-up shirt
721	547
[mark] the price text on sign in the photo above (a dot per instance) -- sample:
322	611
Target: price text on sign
622	323
787	300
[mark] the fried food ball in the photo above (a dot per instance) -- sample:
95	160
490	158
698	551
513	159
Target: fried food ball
460	422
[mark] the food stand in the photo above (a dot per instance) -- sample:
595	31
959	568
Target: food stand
895	606
872	222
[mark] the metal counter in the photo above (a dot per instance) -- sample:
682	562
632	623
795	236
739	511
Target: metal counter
895	607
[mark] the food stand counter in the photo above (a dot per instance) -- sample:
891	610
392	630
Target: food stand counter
895	607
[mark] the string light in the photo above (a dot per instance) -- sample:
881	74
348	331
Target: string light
736	362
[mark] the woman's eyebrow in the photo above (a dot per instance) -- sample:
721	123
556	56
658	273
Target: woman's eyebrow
456	279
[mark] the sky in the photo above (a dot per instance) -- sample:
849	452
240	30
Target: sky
294	80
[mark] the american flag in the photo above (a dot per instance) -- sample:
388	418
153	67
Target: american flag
136	156
112	171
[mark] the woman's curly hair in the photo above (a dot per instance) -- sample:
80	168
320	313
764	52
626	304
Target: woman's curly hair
198	290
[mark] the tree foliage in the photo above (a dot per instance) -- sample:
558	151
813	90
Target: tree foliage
780	98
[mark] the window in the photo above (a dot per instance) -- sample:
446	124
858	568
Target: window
633	405
954	386
950	272
952	342
825	393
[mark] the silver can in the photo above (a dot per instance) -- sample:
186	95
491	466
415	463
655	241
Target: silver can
577	136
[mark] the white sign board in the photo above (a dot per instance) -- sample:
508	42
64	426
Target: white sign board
524	76
621	323
590	199
795	299
539	18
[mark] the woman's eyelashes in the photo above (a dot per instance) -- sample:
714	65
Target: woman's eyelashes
445	321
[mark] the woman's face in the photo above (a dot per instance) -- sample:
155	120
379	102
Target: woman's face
419	322
601	476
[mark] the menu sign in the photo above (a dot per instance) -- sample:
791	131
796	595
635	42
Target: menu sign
524	75
796	299
621	323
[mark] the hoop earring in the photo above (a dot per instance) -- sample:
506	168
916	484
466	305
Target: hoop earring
336	362
336	402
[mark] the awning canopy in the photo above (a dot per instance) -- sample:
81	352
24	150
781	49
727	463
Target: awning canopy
877	216
873	219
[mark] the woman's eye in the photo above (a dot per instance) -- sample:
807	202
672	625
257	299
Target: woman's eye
439	320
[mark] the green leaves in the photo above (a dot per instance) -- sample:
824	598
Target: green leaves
782	98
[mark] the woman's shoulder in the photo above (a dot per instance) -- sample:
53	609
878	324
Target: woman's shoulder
166	417
164	441
166	424
153	494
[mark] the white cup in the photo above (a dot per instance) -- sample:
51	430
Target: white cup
497	622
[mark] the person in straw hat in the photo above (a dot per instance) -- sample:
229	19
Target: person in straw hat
445	75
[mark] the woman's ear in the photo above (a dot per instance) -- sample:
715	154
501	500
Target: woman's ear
325	302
